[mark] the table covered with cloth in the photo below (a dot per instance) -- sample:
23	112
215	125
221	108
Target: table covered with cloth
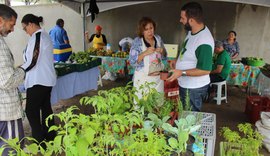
71	84
74	83
116	65
243	75
263	84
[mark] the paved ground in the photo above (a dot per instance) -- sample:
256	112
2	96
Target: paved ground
229	114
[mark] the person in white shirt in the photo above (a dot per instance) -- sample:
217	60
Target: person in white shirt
194	62
125	44
40	77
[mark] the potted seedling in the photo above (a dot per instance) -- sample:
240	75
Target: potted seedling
180	135
164	74
245	141
154	123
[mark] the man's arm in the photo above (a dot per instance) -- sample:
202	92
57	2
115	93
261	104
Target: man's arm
217	70
65	37
203	67
10	77
191	72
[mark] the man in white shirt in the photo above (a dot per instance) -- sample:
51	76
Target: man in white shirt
194	62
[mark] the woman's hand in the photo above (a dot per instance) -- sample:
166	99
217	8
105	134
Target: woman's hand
86	34
235	55
150	50
159	50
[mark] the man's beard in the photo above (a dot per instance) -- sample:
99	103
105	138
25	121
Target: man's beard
187	27
3	31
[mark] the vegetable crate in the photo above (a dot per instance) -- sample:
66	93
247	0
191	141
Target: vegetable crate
171	90
207	131
64	68
88	65
255	105
233	147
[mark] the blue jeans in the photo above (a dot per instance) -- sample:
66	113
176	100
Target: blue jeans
196	96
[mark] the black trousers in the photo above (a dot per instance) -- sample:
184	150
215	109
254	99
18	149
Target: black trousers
215	78
38	101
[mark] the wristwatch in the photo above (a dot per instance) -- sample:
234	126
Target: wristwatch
184	73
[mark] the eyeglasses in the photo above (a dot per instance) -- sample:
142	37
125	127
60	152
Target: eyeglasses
24	28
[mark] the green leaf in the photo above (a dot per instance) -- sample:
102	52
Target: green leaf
54	128
191	119
82	146
33	148
173	143
89	135
2	150
116	128
57	141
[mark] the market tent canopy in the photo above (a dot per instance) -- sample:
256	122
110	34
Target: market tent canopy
103	5
110	4
81	6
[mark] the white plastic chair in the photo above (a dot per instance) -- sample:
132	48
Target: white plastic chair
219	96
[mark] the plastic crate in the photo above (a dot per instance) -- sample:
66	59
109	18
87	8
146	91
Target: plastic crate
255	105
89	65
207	131
171	90
64	68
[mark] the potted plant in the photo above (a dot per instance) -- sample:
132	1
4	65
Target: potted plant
245	141
180	135
154	123
164	74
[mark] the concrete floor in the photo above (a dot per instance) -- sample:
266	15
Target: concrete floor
227	114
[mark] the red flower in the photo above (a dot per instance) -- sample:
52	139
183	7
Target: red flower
247	67
251	74
121	71
244	84
234	75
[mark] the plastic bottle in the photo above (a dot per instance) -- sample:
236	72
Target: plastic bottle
108	47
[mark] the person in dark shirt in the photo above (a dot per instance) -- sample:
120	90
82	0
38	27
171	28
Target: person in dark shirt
222	65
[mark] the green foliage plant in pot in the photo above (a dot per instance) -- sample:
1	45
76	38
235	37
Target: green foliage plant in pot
164	74
143	142
245	141
155	123
76	136
179	135
114	101
155	102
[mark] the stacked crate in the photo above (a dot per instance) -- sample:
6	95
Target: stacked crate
255	105
171	89
207	131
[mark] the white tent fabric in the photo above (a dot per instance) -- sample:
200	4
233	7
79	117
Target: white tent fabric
76	4
81	6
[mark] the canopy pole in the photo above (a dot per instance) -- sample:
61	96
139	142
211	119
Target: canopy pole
84	24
